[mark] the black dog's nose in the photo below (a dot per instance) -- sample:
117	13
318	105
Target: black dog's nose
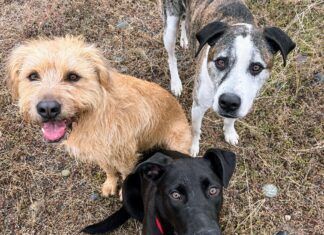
229	102
48	109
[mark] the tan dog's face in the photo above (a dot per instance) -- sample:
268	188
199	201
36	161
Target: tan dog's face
55	81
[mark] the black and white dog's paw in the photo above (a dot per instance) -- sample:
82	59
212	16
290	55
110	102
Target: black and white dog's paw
184	42
176	86
194	151
231	137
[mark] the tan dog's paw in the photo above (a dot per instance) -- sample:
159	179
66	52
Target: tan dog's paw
109	188
121	195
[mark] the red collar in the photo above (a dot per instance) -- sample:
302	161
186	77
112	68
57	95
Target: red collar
159	225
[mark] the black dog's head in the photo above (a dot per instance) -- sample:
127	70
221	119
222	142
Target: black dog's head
182	194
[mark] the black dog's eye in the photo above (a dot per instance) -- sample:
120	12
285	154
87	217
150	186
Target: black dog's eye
176	195
221	63
256	68
213	191
72	77
33	76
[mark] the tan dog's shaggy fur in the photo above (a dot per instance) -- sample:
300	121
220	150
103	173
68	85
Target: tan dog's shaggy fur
113	116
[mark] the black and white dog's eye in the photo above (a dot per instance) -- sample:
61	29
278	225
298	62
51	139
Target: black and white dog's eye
213	191
221	63
175	195
33	76
256	68
72	77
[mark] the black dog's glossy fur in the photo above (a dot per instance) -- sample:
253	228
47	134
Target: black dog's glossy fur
184	194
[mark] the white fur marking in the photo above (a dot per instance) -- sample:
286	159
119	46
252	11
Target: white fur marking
240	81
243	49
169	39
249	26
206	90
204	97
183	37
197	114
230	133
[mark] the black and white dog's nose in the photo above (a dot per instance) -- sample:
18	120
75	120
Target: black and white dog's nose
48	109
229	102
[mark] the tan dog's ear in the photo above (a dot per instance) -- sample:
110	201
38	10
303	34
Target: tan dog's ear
101	65
14	64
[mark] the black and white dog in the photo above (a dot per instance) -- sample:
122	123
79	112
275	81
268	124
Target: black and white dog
234	57
174	194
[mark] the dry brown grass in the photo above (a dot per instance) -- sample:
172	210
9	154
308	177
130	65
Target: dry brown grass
281	140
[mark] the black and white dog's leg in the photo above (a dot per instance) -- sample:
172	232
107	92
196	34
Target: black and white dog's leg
183	37
197	115
230	133
203	96
169	39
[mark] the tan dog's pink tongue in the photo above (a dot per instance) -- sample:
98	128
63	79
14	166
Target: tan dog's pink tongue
54	131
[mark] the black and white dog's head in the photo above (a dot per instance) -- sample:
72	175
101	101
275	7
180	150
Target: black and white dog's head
239	61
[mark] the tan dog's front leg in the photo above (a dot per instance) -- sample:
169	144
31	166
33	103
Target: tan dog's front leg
110	185
121	189
125	171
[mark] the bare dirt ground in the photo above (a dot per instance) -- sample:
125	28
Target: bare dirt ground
281	139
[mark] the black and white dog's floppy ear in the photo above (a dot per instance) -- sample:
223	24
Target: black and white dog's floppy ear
223	163
154	167
210	34
279	40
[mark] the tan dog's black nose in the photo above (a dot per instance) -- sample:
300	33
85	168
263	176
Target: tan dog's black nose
48	109
229	102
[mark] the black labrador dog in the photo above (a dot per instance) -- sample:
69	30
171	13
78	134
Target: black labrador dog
172	193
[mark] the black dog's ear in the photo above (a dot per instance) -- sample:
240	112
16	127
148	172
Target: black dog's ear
154	167
132	196
279	40
223	163
210	34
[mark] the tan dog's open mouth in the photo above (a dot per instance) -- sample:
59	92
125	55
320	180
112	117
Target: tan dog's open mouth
54	131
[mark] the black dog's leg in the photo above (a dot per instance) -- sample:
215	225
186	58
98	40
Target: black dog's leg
110	223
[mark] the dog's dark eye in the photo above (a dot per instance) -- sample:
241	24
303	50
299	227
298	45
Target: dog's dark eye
256	68
221	63
213	191
176	195
33	77
72	77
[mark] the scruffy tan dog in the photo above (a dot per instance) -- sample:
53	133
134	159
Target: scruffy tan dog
65	84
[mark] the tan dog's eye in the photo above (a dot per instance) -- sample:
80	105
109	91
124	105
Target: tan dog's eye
33	77
221	63
213	191
72	77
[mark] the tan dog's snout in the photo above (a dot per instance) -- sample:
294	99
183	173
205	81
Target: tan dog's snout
53	126
48	109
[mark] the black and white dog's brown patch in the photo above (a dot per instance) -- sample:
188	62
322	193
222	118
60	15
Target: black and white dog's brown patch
174	194
234	57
